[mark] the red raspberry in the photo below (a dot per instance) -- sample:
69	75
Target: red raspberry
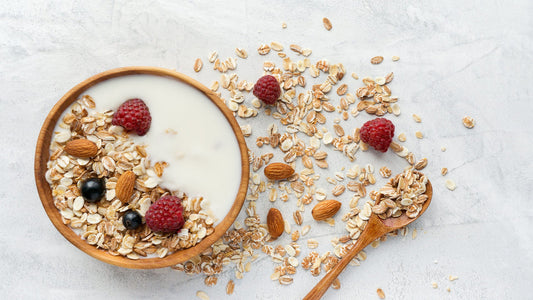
267	89
165	215
378	133
133	115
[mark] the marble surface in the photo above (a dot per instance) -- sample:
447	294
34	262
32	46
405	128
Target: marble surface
457	58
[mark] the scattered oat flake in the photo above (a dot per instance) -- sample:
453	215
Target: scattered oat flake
214	86
469	122
443	149
448	290
285	279
327	23
402	137
312	243
276	46
198	64
419	134
230	287
336	284
376	60
452	278
434	284
385	172
305	229
396	109
414	234
275	275
355	76
241	52
381	294
283	25
417	118
263	49
287	226
444	171
450	184
296	48
212	56
202	295
421	164
395	58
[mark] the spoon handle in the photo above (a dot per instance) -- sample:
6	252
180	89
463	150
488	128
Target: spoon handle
372	231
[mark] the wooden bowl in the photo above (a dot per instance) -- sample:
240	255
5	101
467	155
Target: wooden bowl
42	155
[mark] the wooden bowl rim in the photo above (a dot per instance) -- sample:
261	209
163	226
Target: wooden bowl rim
42	154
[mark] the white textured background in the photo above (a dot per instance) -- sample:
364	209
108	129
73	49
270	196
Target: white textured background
457	58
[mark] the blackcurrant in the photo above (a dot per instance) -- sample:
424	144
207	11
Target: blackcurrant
132	219
93	189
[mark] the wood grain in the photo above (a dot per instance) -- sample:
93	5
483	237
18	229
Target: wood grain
373	230
42	155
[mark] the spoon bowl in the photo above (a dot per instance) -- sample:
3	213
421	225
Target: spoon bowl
375	228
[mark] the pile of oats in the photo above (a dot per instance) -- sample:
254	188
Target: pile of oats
100	224
405	192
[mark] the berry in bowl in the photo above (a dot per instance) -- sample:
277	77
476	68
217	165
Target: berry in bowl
141	167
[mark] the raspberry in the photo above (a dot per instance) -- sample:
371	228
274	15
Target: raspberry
267	89
133	115
378	133
165	215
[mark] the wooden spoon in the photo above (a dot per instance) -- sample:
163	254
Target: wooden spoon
375	228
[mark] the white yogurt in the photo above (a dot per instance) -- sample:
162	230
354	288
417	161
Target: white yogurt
188	132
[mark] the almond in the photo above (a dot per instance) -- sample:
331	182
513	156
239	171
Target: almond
81	148
325	209
125	184
275	223
278	171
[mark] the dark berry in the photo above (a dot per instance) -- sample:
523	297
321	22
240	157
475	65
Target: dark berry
133	115
267	89
165	215
93	189
378	133
132	219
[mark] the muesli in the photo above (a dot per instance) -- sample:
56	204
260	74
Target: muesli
104	185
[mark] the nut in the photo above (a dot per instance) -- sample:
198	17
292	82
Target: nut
278	171
275	223
325	209
125	184
81	148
